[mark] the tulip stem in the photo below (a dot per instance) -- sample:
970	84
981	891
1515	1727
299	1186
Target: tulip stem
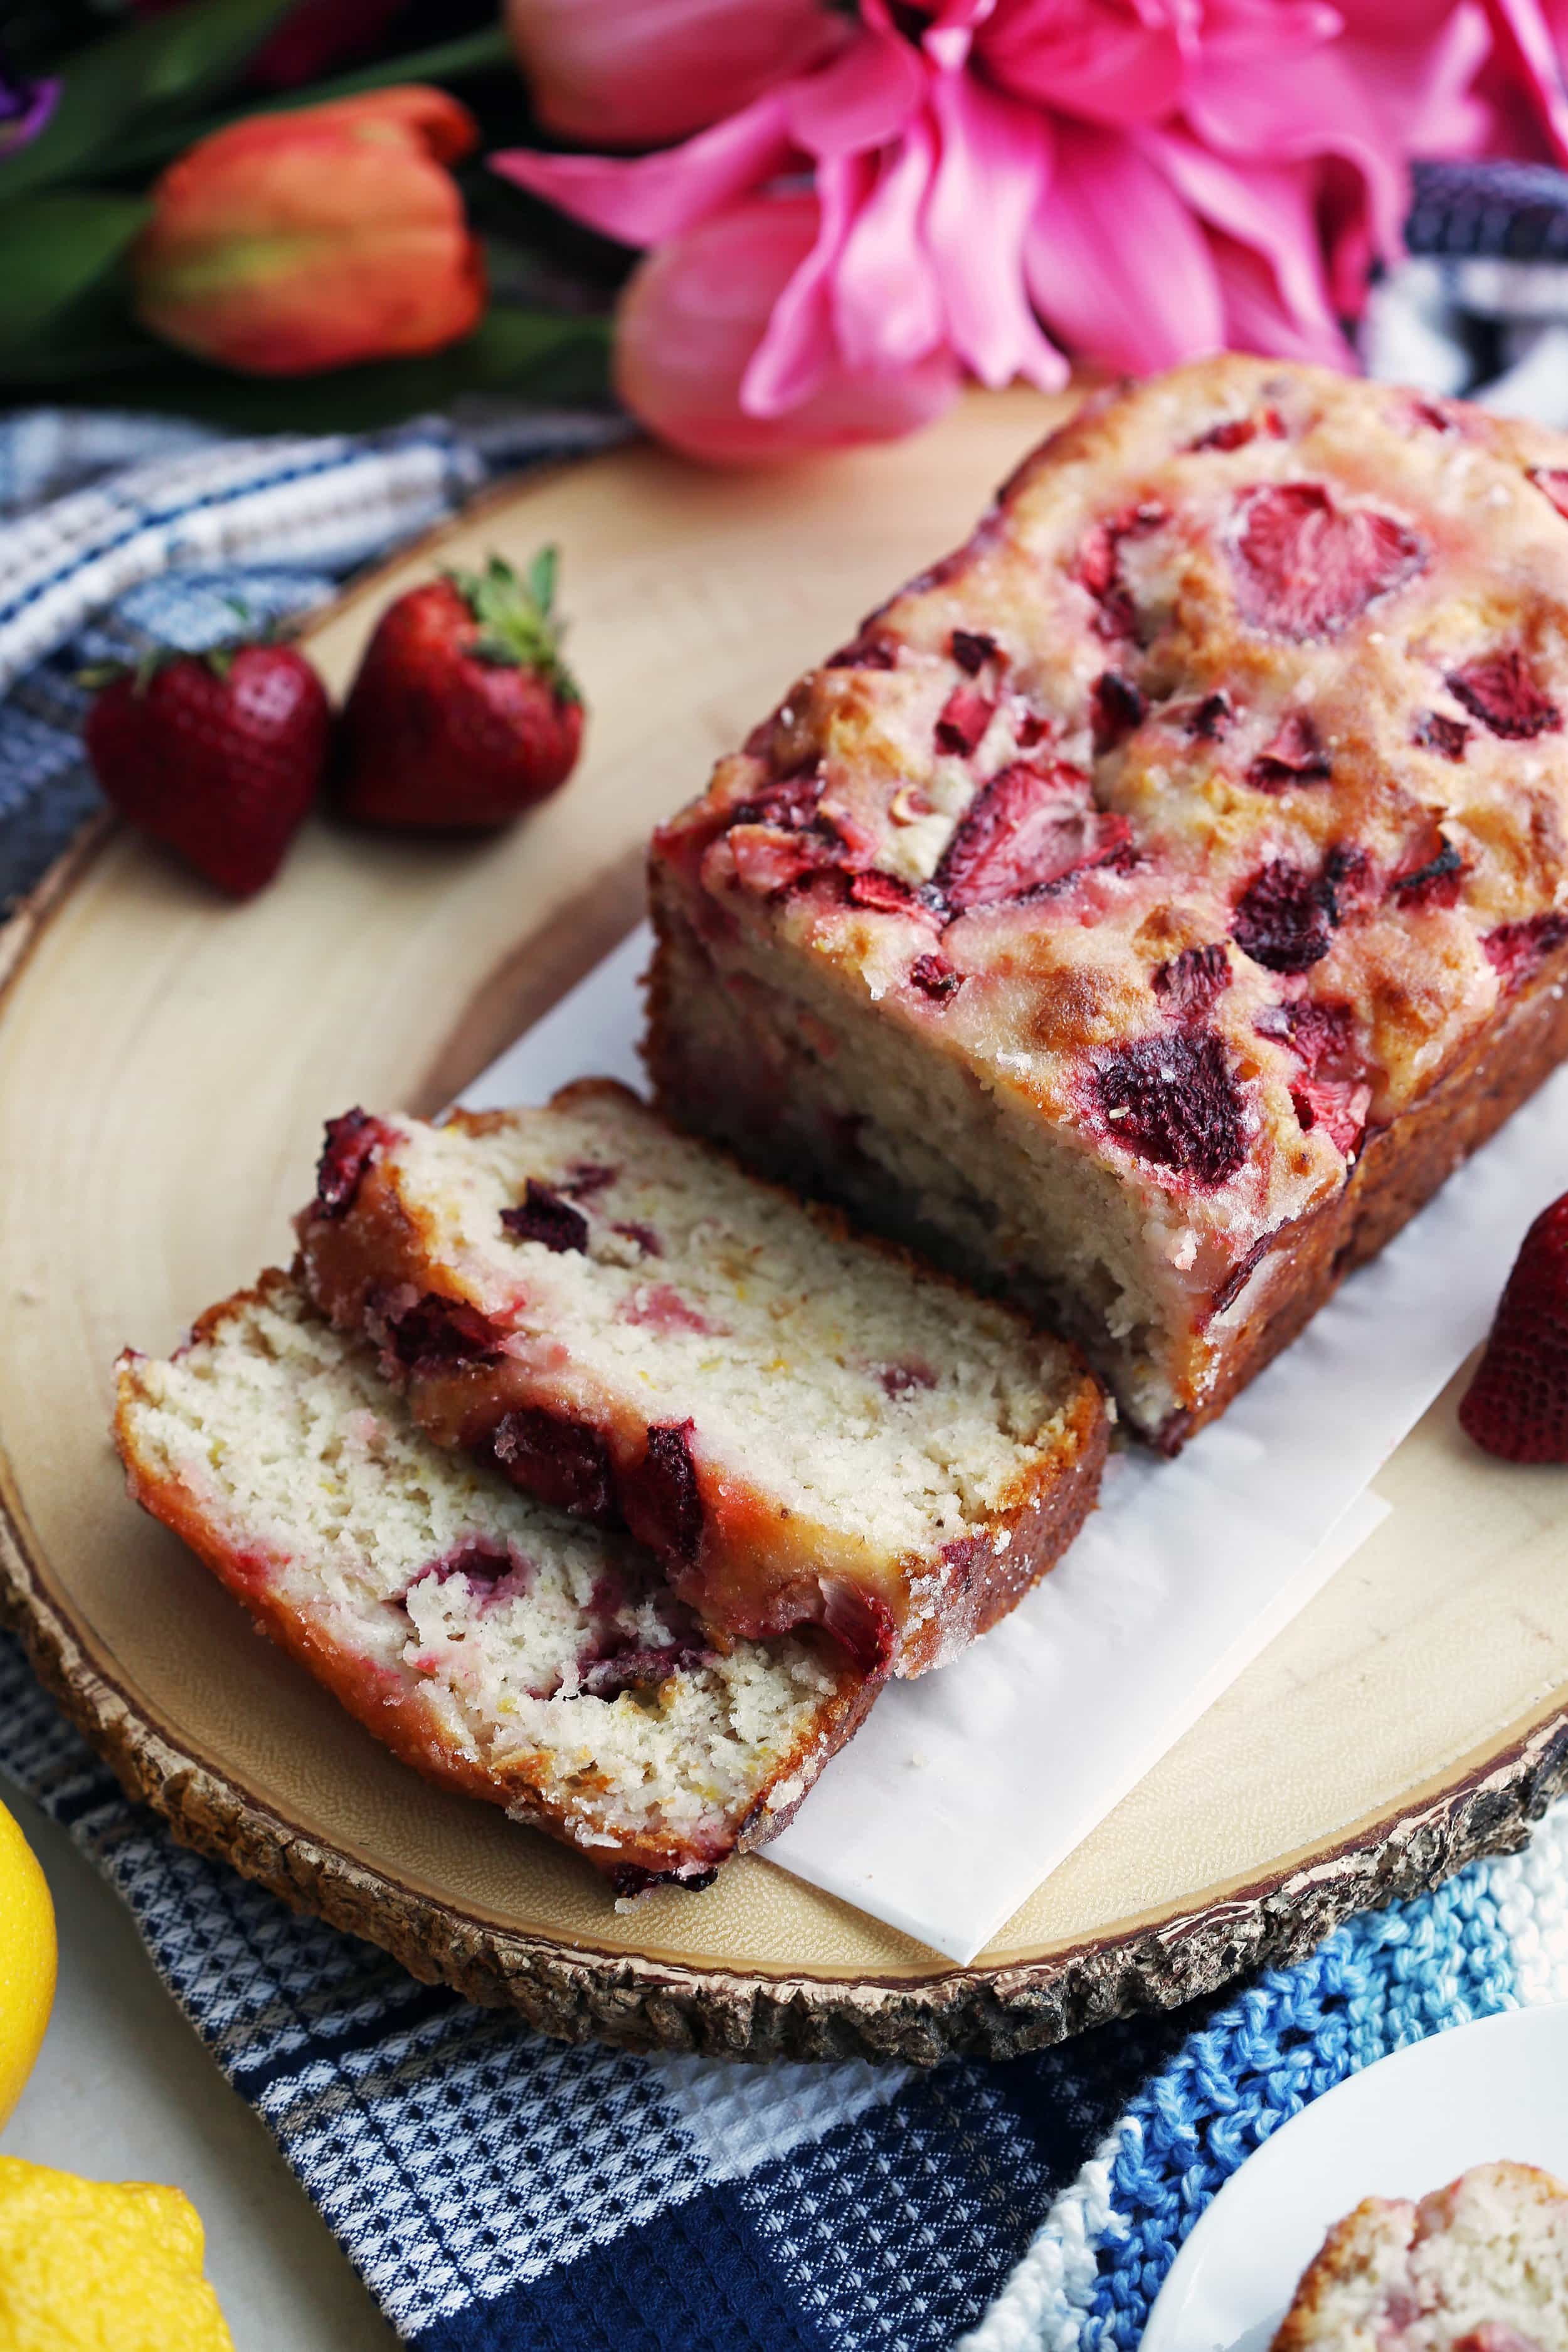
446	61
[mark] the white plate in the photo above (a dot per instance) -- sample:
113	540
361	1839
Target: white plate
1406	2124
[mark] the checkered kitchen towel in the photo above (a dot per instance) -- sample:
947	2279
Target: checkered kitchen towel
500	2192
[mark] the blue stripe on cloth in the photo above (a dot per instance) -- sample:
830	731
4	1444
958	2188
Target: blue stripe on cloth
697	2280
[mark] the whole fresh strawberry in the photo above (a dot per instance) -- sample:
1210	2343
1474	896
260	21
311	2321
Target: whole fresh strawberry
463	713
217	755
1517	1405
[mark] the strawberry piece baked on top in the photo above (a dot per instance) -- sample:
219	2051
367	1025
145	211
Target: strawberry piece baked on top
1157	898
801	1426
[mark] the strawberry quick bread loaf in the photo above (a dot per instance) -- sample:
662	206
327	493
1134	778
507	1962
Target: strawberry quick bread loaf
1479	2266
495	1644
801	1426
1158	898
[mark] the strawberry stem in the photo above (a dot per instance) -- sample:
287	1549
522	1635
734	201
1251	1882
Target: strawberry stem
518	628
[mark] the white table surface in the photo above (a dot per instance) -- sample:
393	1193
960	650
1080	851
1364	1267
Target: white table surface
124	2091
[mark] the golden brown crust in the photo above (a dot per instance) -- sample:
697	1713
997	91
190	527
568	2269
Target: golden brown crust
1377	2225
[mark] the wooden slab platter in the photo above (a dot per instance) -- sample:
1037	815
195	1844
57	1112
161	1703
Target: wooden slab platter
165	1064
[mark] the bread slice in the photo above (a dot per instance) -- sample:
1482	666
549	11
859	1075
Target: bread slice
1479	2266
803	1426
495	1644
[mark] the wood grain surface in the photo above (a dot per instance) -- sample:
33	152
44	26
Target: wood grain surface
165	1064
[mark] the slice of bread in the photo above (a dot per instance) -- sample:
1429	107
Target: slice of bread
803	1426
1479	2266
492	1642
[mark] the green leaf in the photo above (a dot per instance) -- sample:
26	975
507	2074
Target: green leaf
519	354
156	67
448	61
542	578
58	248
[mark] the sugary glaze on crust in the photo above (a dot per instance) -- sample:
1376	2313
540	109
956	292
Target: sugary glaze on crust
530	1660
805	1426
1205	807
1479	2266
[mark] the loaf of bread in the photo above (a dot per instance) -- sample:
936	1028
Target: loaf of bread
1479	2266
804	1427
495	1644
1158	898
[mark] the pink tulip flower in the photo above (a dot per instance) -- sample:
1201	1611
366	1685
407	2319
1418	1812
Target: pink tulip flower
1000	182
690	322
633	73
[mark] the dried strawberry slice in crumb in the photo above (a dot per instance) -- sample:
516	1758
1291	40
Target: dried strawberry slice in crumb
586	1177
543	1216
963	720
768	866
1172	1098
1320	1033
1190	983
1515	950
1306	567
1295	755
1028	828
1517	1404
862	1622
1337	1106
1434	731
935	978
1435	883
1207	720
1553	482
971	649
641	1669
352	1143
863	653
564	1462
1116	707
431	1334
1099	566
661	1497
791	803
1285	918
1236	432
885	894
1499	690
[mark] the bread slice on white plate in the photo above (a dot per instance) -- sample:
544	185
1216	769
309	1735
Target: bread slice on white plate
1479	2266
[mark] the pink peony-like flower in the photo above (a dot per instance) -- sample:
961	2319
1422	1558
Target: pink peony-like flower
1000	182
693	315
632	73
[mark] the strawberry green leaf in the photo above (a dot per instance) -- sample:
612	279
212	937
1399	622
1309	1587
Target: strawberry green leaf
58	248
517	629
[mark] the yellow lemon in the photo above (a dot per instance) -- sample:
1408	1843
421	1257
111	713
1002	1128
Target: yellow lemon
26	1960
85	2264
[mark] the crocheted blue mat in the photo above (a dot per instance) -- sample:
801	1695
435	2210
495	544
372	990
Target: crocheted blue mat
500	2192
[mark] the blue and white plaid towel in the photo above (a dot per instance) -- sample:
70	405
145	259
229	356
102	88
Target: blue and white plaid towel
500	2192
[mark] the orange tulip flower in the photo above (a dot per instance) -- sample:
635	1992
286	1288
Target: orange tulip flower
292	242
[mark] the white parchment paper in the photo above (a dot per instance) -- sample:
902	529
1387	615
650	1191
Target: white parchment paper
965	1789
